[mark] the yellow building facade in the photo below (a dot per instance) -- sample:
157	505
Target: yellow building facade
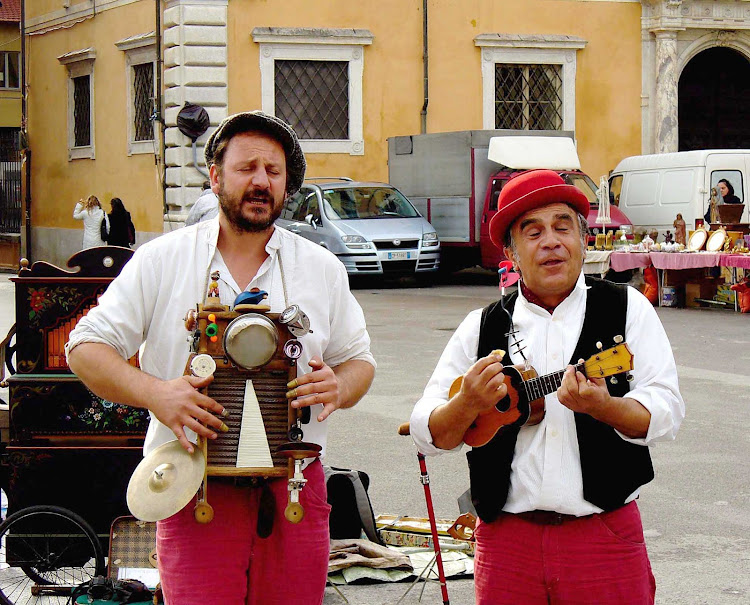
233	55
10	125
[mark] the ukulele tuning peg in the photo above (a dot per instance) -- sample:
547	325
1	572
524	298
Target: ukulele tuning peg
613	380
629	377
618	339
599	345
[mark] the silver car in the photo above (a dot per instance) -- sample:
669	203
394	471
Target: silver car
371	227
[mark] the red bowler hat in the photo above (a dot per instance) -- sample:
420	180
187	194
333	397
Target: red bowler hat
530	190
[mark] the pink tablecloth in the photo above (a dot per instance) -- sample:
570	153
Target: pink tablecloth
735	260
675	260
622	261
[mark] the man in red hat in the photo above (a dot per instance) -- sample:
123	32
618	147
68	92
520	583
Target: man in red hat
555	495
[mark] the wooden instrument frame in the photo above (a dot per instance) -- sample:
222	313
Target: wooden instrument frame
280	366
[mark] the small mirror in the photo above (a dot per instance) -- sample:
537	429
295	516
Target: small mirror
716	241
697	239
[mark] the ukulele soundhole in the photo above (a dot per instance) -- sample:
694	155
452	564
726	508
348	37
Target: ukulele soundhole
504	404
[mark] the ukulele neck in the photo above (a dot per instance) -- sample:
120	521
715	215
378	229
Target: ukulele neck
549	383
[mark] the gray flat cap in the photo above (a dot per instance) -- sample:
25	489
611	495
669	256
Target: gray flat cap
257	121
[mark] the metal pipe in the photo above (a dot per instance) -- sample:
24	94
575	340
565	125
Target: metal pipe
159	109
26	172
423	113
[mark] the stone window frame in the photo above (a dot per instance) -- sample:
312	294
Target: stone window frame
317	44
80	63
529	50
138	50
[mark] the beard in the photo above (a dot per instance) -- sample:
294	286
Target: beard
260	219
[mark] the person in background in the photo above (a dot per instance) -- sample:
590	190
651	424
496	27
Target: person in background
727	192
205	207
121	229
91	213
556	499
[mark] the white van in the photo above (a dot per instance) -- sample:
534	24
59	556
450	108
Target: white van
652	189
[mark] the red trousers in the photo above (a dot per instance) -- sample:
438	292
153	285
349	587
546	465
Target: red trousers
224	562
597	560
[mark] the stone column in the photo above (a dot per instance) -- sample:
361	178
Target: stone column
195	70
665	95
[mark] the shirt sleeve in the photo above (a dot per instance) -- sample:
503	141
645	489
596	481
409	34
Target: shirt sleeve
125	310
654	385
458	356
78	213
349	338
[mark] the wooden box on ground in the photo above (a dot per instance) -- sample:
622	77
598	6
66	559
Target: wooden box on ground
704	289
680	277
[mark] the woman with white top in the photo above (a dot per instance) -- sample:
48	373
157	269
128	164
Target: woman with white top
91	213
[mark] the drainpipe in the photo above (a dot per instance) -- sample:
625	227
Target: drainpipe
423	113
26	201
158	110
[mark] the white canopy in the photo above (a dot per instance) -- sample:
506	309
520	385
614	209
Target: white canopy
527	152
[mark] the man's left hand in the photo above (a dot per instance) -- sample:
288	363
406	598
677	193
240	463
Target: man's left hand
319	386
582	394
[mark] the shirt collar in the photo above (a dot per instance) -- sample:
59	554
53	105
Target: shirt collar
533	299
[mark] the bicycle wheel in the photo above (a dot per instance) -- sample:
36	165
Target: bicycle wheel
46	545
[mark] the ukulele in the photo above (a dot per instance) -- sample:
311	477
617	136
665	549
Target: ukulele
524	403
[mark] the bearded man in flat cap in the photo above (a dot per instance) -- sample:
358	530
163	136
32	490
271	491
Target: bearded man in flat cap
255	163
554	485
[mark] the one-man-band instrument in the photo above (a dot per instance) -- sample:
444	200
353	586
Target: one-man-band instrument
252	355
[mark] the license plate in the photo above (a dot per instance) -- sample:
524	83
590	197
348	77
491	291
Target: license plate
398	255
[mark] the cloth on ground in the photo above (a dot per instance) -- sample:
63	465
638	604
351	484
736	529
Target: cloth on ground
455	564
364	553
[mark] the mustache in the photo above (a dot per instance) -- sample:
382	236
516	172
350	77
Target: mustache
257	194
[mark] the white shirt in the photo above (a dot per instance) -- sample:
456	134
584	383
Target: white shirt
206	207
146	304
546	468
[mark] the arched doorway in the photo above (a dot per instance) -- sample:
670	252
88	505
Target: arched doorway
713	111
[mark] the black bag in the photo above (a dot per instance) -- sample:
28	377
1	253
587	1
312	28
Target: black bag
101	588
351	509
193	120
131	231
104	228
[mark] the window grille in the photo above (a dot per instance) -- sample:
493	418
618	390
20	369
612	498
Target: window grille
313	96
9	70
10	181
528	97
82	110
143	94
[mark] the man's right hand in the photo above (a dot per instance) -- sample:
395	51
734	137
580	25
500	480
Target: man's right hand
482	387
179	403
483	384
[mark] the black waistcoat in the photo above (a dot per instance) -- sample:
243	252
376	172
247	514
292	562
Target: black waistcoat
612	468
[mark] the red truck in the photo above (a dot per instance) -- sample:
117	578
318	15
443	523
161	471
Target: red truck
454	179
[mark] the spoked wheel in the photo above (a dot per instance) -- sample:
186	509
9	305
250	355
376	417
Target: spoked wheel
46	546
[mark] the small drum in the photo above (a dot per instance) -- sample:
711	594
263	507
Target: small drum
251	340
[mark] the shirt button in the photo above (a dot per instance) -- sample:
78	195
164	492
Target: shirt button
553	433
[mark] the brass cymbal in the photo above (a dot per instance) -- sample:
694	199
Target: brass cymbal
165	481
